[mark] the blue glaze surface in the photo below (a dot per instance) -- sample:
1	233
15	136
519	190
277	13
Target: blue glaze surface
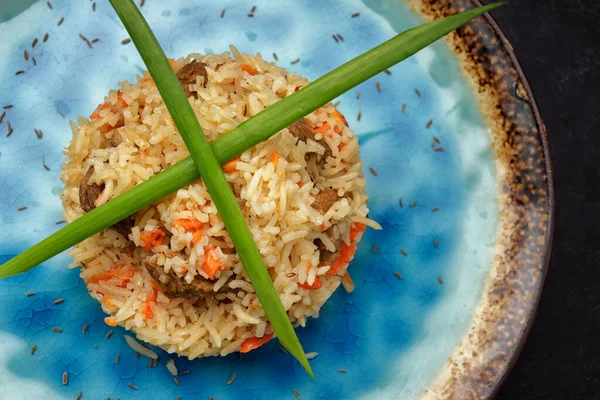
391	336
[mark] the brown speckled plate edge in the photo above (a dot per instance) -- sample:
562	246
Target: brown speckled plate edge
478	366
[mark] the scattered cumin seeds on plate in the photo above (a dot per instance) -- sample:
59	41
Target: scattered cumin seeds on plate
34	42
57	329
358	95
176	381
125	41
403	252
222	13
340	37
80	395
94	6
25	55
411	205
359	116
19	72
85	328
436	242
296	61
137	355
49	5
387	71
429	124
29	294
58	301
250	15
22	208
401	203
335	38
61	222
109	334
65	378
86	40
142	3
95	345
275	57
397	275
435	209
187	371
403	107
355	15
131	385
96	40
378	84
373	171
38	133
34	61
6	107
336	104
281	349
296	393
10	129
2	117
61	20
118	358
375	247
253	9
418	92
231	379
33	349
343	371
440	280
440	149
46	36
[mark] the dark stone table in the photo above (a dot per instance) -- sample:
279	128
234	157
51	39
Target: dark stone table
558	44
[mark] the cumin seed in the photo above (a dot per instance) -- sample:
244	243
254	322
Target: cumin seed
418	92
403	107
403	252
411	205
142	2
33	349
340	37
131	385
374	250
80	395
2	116
118	358
231	379
373	171
440	149
336	104
60	113
440	280
61	222
94	6
176	381
6	107
429	124
125	41
65	379
109	334
222	13
85	328
95	345
49	5
401	203
355	15
436	242
57	329
58	301
275	57
435	139
29	294
86	40
378	84
397	275
253	9
387	71
60	21
22	208
296	393
435	209
335	38
358	117
281	349
343	371
296	61
10	128
250	15
34	61
25	55
96	40
34	42
187	371
46	36
19	72
38	133
358	95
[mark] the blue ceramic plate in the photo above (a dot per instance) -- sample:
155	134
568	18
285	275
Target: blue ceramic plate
463	192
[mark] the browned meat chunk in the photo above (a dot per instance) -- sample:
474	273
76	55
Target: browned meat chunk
175	286
187	76
89	193
303	130
324	200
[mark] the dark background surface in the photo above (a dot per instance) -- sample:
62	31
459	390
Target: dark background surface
558	45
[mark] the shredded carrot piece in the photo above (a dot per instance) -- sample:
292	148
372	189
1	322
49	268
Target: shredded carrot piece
122	100
343	259
254	343
355	229
151	239
188	224
275	157
324	128
316	284
212	263
96	114
197	236
249	69
146	309
339	117
231	166
110	321
347	282
107	300
300	184
173	63
120	272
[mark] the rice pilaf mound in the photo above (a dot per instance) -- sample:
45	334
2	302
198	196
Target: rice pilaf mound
170	272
